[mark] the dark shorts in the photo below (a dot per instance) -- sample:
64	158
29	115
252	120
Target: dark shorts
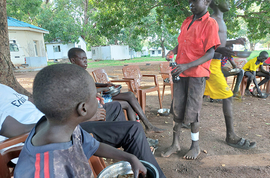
187	99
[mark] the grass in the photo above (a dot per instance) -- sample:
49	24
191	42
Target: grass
98	64
256	53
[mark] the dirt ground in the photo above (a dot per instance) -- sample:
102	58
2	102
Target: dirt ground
217	159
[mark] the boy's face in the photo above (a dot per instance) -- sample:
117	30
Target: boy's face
223	5
262	58
80	60
198	7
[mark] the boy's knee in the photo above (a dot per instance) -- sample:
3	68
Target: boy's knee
130	94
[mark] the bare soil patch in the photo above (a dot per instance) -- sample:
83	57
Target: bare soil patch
251	120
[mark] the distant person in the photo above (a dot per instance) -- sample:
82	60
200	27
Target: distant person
227	71
251	72
216	86
57	146
78	56
196	46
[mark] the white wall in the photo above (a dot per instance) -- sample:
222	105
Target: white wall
119	52
25	41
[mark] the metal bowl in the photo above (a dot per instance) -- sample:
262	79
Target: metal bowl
235	71
243	54
124	168
113	90
163	112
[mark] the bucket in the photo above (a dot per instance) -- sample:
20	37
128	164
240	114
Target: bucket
123	168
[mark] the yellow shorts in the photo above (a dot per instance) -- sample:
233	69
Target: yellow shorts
216	86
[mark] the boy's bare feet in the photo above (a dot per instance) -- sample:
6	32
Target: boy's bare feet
172	149
194	151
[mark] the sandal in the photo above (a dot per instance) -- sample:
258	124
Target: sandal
243	144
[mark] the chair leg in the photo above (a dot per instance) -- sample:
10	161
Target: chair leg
267	87
143	100
243	86
163	91
234	78
159	98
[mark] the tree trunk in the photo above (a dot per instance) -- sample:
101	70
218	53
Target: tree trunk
163	48
6	70
252	46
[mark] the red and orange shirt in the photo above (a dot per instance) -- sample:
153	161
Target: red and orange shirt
194	42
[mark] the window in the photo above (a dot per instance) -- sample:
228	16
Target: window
94	52
159	51
153	52
56	48
79	46
36	48
13	47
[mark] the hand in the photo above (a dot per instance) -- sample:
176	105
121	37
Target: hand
101	99
138	167
99	116
168	55
226	68
241	41
179	69
225	51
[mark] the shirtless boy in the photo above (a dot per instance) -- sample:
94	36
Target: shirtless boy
216	85
196	45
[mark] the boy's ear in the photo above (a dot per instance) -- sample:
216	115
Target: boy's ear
72	60
81	109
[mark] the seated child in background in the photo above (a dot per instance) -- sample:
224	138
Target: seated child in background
127	99
226	71
57	146
251	72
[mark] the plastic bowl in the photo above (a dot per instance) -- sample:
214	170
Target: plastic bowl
163	112
242	54
124	168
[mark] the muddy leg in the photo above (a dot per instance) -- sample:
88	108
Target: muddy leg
194	150
176	141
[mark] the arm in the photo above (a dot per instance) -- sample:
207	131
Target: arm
12	128
182	67
110	152
262	70
172	52
233	63
104	84
241	41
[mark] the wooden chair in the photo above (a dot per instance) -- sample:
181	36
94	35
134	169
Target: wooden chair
97	164
101	76
133	72
166	74
6	170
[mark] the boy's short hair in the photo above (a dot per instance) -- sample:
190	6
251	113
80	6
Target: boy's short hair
263	53
59	88
72	53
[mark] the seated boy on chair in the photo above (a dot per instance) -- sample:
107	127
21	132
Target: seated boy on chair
57	146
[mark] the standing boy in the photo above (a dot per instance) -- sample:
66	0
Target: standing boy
251	72
57	146
216	85
196	46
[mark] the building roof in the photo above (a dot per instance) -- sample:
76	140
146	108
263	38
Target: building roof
17	23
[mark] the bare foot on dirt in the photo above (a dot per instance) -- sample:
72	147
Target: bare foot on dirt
154	129
193	152
172	149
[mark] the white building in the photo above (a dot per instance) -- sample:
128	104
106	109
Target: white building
26	43
112	52
154	52
57	50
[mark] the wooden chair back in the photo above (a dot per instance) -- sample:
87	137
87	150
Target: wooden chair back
100	76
